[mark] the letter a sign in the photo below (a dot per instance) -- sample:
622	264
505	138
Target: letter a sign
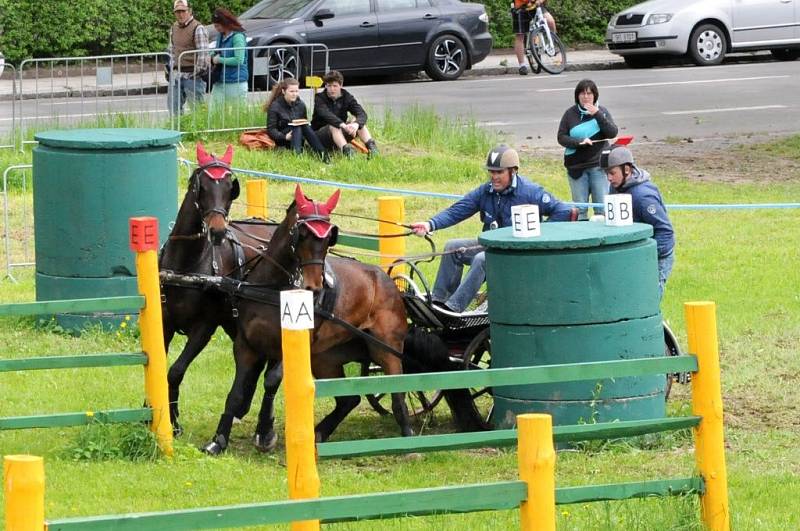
297	309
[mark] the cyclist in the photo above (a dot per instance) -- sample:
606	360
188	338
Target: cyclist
648	206
493	201
521	16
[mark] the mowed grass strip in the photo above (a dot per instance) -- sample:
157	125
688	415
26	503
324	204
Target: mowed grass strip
743	260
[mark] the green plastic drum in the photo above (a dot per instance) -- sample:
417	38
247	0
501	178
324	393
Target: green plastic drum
580	292
86	184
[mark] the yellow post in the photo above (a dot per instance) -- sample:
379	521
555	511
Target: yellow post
23	489
391	209
297	317
144	241
257	198
537	467
709	437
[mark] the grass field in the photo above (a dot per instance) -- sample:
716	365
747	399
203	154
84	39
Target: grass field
744	260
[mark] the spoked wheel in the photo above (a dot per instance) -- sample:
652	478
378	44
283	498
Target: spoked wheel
478	355
548	53
419	402
671	348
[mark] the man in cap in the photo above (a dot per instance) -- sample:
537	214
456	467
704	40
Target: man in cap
625	177
187	80
493	201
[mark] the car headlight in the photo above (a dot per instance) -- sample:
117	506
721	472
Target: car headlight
659	18
483	17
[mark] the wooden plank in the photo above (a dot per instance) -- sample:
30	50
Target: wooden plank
454	499
359	242
117	359
499	438
501	377
108	304
60	420
625	491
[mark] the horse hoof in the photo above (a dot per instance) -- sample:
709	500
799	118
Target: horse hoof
177	430
217	445
237	420
265	443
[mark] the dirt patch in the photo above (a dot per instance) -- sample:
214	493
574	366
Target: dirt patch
725	159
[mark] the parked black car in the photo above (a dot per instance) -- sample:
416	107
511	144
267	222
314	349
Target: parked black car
442	37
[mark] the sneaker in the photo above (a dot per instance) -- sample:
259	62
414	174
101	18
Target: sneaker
348	151
372	147
523	70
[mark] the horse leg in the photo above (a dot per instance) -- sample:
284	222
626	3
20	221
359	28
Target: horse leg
391	364
197	339
250	389
247	362
344	404
265	438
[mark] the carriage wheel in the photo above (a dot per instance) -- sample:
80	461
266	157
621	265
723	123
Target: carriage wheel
671	348
418	403
478	355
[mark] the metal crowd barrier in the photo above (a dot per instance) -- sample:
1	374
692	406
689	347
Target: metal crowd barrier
267	65
18	219
8	87
96	91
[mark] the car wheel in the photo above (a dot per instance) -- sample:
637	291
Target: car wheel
283	61
447	58
639	61
707	45
785	54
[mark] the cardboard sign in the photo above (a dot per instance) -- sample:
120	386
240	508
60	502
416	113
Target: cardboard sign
525	221
619	210
297	309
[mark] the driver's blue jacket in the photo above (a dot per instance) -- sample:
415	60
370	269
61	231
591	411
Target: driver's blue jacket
495	207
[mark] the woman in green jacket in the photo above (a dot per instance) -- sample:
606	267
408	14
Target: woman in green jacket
230	59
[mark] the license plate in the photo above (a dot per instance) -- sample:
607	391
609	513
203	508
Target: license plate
628	36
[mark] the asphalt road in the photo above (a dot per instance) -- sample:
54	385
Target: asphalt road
654	104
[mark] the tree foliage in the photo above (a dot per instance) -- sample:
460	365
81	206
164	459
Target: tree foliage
68	28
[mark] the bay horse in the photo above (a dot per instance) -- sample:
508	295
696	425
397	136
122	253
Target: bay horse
200	242
367	300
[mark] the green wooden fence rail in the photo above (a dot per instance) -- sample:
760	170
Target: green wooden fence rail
61	420
80	361
501	377
369	243
108	304
500	438
418	502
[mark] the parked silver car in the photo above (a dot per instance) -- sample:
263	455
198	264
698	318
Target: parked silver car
704	30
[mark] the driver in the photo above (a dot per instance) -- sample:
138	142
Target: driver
493	200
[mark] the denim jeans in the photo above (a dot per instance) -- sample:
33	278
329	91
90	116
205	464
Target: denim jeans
224	94
304	132
591	180
664	269
182	90
449	287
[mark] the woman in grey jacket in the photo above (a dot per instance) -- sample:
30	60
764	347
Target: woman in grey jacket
583	131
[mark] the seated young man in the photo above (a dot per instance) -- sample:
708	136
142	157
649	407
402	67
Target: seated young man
330	120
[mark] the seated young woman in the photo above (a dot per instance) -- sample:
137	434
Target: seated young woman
287	120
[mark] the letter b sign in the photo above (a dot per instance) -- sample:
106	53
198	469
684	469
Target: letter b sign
619	210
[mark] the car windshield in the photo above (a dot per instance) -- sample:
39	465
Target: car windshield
276	9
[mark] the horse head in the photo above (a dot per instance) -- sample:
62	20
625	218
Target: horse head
312	235
215	189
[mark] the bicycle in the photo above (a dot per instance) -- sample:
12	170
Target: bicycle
544	49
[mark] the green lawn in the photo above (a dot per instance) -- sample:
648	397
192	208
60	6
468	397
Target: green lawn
745	261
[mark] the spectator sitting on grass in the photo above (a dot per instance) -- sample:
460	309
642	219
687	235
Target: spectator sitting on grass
330	120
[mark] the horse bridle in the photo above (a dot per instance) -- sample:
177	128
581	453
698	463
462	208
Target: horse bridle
294	237
196	184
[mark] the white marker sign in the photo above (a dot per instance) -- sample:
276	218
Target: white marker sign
297	309
525	221
619	210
